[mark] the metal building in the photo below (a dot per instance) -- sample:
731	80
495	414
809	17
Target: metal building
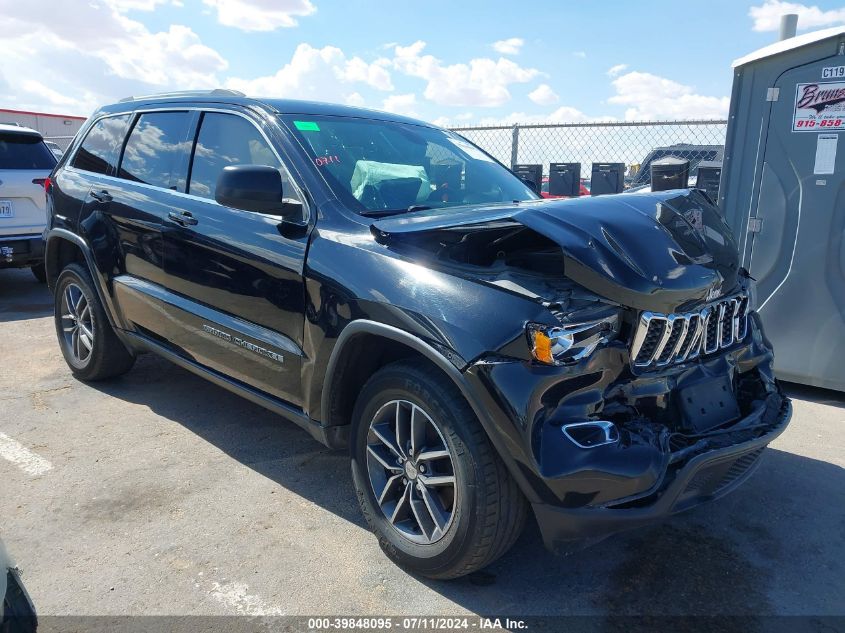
59	128
783	193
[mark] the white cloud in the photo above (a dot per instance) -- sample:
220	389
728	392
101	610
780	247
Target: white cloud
127	48
480	82
616	70
510	46
401	104
318	73
580	54
464	118
375	74
543	95
259	15
355	99
138	5
563	114
85	54
93	53
651	97
174	57
767	15
54	97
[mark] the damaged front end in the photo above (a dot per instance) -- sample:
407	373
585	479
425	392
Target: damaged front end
605	446
648	388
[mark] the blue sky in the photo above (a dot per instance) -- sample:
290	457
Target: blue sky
462	62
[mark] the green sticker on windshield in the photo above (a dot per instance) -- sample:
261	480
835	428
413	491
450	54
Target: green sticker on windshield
307	126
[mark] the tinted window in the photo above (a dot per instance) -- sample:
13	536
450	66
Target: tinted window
24	151
226	139
101	147
155	148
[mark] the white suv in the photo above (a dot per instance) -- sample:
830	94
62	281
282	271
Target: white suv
25	165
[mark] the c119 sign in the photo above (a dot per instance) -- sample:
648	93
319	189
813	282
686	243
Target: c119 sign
819	107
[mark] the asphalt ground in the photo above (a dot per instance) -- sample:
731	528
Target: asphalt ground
160	493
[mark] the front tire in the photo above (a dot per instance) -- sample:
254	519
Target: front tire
87	340
429	484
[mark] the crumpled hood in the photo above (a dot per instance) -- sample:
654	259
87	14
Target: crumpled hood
656	251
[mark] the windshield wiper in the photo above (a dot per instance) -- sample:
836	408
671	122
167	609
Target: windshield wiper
382	213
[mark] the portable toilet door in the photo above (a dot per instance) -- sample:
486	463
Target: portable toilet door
783	192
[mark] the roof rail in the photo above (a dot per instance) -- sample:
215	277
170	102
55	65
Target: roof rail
187	93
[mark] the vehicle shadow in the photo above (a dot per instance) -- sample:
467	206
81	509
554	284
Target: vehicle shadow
782	531
735	556
22	297
257	438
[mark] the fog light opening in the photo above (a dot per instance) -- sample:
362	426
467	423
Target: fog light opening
591	434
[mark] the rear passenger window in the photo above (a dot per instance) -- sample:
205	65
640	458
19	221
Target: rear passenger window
227	139
155	148
101	147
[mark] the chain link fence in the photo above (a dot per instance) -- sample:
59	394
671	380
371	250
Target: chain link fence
634	143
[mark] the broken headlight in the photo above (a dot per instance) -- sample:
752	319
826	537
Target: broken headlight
570	342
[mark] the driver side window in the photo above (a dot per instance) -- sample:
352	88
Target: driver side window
228	139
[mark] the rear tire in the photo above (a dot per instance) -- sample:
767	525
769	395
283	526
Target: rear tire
40	272
486	511
87	340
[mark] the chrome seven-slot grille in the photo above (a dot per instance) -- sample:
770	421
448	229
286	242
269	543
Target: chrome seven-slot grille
664	339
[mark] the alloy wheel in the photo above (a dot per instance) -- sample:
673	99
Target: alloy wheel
77	323
411	472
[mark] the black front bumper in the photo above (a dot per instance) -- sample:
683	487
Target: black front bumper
705	477
665	460
19	251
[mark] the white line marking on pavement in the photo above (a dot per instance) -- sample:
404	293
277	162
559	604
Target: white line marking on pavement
15	452
236	596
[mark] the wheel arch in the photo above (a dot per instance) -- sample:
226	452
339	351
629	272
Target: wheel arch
59	252
338	395
64	247
363	348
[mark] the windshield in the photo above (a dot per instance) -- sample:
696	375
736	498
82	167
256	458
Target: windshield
384	167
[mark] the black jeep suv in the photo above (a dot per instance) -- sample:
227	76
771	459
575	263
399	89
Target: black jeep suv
391	288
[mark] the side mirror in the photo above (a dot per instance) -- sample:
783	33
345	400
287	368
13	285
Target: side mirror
254	188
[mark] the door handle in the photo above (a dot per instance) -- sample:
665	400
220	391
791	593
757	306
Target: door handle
184	218
101	196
